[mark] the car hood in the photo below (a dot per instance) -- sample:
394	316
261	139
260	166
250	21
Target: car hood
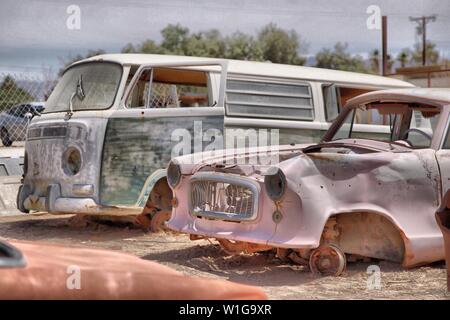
50	269
239	162
242	161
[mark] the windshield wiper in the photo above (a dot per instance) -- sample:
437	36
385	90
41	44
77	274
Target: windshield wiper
79	92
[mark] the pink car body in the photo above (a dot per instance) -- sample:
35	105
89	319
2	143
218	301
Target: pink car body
346	197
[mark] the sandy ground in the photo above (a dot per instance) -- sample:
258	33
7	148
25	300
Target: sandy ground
202	258
17	149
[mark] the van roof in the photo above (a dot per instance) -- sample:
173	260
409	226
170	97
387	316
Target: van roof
259	69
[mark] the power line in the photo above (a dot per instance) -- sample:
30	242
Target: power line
422	29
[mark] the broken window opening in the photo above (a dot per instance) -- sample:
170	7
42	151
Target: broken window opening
170	88
412	126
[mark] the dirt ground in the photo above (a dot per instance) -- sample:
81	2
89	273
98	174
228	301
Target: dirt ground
201	258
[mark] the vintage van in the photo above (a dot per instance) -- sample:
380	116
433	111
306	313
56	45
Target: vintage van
106	135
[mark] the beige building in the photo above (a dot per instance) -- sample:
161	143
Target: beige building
427	76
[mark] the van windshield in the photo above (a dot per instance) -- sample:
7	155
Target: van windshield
88	86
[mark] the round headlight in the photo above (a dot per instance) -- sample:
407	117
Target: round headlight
173	174
71	161
275	183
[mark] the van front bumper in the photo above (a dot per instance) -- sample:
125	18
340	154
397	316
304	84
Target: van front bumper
54	203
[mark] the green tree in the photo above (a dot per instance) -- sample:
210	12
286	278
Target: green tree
149	46
390	63
404	57
375	61
11	94
280	46
206	44
340	59
175	39
431	52
241	46
272	43
129	48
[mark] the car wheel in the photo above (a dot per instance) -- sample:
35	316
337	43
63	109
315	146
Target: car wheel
4	135
158	221
327	260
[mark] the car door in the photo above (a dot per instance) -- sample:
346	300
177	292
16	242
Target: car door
139	138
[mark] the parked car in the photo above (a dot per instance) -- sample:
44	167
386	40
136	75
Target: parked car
14	121
345	198
30	270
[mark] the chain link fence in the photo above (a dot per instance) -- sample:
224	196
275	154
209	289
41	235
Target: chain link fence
22	97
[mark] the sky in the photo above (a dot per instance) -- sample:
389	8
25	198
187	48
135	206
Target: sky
34	34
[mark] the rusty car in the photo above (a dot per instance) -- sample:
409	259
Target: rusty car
346	198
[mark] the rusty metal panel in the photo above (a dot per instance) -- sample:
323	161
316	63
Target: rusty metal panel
135	147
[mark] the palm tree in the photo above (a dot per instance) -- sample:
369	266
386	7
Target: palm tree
375	61
403	57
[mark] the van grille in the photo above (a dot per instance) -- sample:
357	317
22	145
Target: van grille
47	132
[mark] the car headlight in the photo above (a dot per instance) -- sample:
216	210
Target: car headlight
71	161
275	183
173	174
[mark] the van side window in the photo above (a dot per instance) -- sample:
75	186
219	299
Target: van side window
331	101
335	97
138	95
370	116
170	88
269	99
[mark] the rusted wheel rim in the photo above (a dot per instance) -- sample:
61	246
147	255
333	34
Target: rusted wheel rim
327	260
158	221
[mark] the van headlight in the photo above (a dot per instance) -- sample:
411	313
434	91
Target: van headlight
71	161
173	174
275	183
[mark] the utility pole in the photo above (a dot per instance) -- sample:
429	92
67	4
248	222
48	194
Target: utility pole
422	28
384	59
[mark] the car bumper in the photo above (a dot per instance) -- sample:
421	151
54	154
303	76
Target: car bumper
54	203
